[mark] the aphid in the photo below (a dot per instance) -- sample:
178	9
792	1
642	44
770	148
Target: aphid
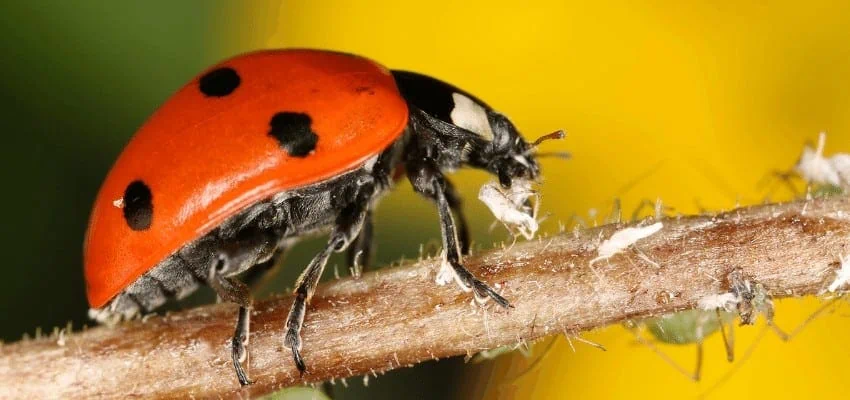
510	207
624	238
825	175
270	147
745	301
714	313
817	169
842	276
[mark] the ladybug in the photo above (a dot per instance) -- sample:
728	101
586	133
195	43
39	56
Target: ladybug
271	147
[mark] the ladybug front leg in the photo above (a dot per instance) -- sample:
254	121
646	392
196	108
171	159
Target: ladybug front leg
428	181
455	203
348	225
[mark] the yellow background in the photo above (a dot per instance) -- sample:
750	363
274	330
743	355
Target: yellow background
703	99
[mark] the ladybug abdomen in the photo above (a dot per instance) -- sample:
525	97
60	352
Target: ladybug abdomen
248	239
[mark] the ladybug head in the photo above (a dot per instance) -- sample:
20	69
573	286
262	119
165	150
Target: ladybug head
508	155
470	131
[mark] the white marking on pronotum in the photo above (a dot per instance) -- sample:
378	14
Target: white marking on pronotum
471	116
118	203
726	301
816	168
624	238
842	276
508	206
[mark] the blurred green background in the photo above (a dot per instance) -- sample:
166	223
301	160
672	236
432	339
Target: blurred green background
700	102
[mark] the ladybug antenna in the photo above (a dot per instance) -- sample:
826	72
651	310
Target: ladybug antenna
559	134
555	154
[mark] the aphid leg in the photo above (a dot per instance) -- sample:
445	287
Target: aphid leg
775	179
698	368
349	222
234	291
659	209
728	339
360	253
587	342
455	203
616	215
694	376
428	181
785	336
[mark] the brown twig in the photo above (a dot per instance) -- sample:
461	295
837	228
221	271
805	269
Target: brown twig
399	317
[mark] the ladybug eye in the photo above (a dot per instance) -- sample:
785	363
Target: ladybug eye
138	206
219	82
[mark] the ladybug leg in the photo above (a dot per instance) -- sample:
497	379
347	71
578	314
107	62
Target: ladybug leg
455	203
259	275
232	290
360	253
347	226
427	180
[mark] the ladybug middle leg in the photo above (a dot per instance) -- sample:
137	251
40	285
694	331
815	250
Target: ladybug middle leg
232	290
428	181
248	248
347	226
360	253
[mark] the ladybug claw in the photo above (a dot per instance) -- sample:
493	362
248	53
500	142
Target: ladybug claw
484	292
238	354
299	362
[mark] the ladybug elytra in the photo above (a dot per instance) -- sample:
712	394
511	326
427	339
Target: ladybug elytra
272	146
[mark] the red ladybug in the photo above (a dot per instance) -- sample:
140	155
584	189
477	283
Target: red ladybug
270	147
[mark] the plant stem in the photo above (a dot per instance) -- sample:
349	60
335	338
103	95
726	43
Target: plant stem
400	317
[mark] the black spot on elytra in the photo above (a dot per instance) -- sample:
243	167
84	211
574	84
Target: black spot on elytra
294	133
138	206
219	82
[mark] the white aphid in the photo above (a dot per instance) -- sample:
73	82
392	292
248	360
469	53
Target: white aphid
842	276
624	238
508	206
726	301
816	168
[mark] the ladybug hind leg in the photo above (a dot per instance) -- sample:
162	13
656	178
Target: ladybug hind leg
348	225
